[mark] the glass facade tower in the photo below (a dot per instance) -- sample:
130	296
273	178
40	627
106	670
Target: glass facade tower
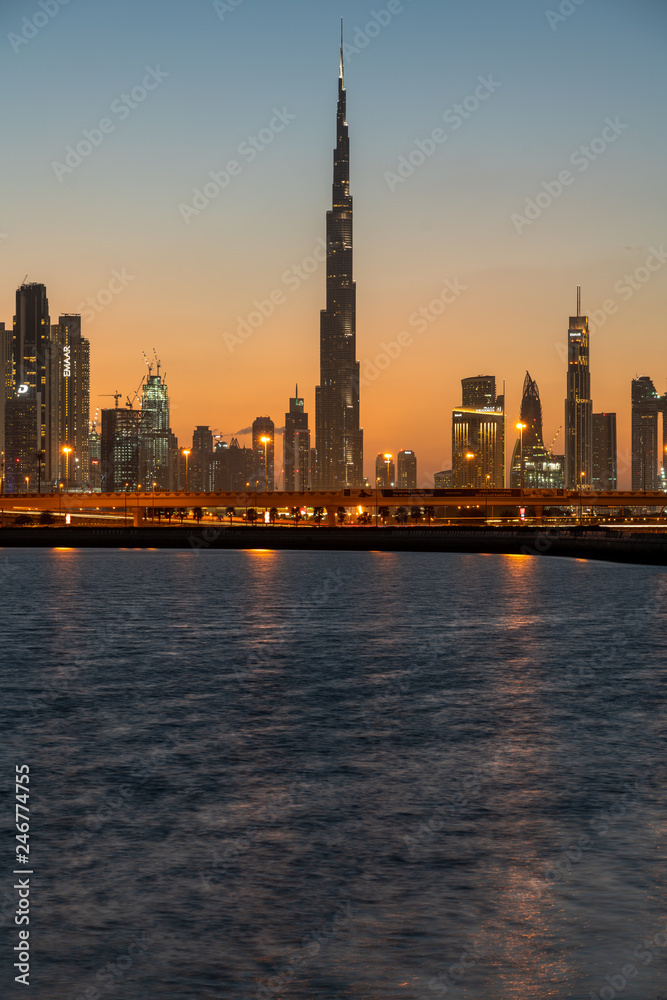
338	437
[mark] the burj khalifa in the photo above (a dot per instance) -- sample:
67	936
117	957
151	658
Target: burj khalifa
338	437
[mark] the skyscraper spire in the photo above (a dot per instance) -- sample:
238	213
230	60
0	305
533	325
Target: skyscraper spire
338	437
341	73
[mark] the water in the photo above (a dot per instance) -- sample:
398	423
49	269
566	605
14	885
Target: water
293	775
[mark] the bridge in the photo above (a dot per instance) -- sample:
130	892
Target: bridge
137	504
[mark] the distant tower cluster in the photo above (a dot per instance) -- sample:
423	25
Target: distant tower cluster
646	405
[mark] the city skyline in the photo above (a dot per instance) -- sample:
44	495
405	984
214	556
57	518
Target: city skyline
488	263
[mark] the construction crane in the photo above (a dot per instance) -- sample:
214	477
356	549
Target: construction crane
157	361
136	393
148	364
116	395
551	446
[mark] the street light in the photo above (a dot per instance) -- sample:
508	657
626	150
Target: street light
265	442
469	455
66	453
186	452
521	428
27	481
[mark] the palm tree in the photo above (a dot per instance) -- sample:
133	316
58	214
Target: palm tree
273	515
251	515
230	511
402	515
169	513
341	514
430	513
416	514
384	513
46	518
197	513
182	511
318	514
296	514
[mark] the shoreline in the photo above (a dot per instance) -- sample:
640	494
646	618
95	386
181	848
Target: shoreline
600	543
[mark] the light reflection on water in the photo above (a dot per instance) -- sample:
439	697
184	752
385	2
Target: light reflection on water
338	774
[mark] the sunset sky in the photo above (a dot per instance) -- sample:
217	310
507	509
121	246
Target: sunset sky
212	75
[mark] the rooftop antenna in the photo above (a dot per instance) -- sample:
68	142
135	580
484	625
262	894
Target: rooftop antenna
578	301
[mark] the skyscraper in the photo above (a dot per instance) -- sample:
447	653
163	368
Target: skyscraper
154	457
478	391
201	460
338	437
604	451
6	380
120	449
263	438
73	381
578	404
296	446
541	470
35	365
478	435
407	470
645	407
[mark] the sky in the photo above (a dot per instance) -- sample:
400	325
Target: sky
469	244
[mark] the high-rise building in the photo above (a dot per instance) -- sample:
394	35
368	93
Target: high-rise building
645	407
263	438
443	480
296	446
385	471
541	470
407	470
120	449
35	364
478	436
479	392
201	460
6	381
154	459
578	404
338	436
234	467
604	452
22	440
73	394
95	459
